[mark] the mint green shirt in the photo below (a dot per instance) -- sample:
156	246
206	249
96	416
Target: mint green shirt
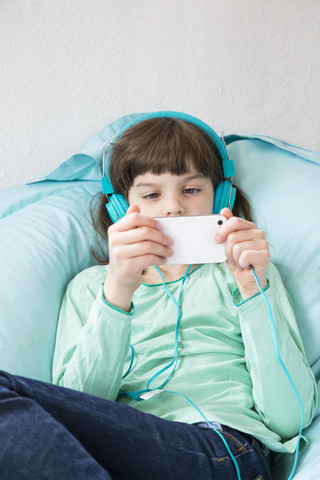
227	363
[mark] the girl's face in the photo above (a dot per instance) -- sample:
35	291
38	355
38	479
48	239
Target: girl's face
172	195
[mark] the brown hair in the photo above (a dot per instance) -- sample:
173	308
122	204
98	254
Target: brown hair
157	146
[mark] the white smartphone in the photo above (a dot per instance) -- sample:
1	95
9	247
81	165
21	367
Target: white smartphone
194	238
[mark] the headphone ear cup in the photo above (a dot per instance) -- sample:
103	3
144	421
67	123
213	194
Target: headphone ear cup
117	207
223	193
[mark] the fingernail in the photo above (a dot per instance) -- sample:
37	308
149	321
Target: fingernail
169	241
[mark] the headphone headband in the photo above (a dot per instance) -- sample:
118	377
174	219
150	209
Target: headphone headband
228	166
187	118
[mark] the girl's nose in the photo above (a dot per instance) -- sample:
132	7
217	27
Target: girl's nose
174	207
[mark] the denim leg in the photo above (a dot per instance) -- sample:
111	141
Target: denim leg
33	445
129	444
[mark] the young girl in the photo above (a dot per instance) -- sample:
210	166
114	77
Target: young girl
177	362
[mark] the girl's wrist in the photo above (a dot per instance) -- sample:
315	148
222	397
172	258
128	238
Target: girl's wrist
117	295
246	292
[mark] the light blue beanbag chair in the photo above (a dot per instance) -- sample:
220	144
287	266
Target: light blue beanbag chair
283	183
46	237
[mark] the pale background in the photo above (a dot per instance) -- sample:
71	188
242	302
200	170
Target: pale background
70	67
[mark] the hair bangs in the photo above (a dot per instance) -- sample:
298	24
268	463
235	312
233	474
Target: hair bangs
162	145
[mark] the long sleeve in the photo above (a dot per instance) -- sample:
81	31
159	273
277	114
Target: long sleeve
92	343
273	394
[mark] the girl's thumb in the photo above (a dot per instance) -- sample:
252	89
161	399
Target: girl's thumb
226	212
133	209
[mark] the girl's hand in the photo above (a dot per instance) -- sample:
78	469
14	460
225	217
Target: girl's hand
135	243
246	246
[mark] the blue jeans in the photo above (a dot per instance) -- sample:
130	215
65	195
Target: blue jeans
51	432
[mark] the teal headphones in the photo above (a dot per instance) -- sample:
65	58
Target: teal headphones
225	193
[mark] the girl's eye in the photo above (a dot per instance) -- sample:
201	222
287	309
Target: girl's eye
151	196
191	191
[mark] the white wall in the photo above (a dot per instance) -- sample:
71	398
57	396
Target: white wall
70	67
